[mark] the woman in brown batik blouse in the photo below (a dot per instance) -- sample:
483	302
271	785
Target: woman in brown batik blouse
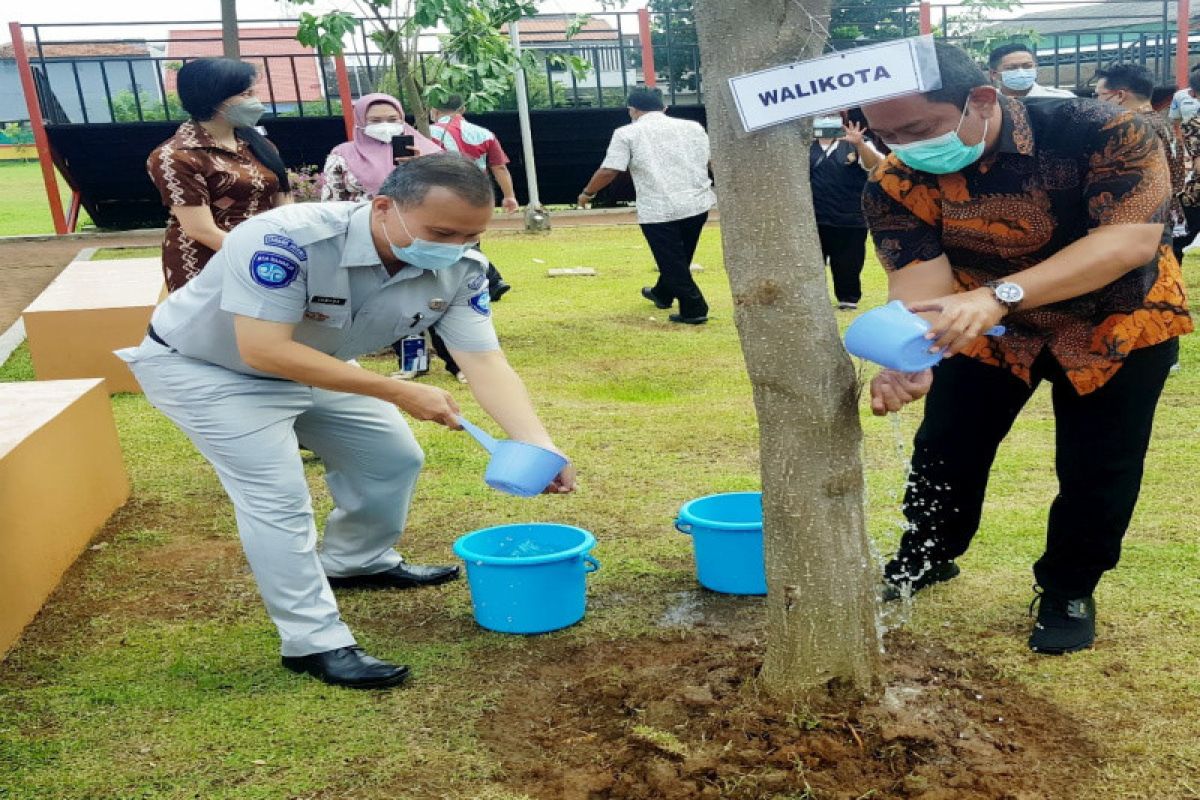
217	170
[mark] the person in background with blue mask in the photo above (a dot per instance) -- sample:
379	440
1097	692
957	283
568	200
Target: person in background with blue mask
1048	215
1014	70
256	351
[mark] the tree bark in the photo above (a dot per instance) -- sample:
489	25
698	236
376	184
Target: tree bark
821	577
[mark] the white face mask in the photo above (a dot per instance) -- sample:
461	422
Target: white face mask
383	131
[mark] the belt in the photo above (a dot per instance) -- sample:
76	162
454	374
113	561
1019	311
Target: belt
153	335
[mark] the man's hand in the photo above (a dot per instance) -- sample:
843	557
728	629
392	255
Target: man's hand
583	201
428	403
892	390
564	482
854	133
961	318
510	204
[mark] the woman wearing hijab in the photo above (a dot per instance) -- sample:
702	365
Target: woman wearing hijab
217	170
355	169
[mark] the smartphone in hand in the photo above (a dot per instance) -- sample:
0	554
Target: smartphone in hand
402	146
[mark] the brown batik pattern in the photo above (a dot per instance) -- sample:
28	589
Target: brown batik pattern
191	169
1062	168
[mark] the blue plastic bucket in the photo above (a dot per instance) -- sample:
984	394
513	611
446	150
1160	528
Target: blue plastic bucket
727	536
528	578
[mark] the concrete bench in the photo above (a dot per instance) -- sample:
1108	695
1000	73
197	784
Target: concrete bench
61	477
91	309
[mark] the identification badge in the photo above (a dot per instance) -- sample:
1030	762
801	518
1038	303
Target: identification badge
437	304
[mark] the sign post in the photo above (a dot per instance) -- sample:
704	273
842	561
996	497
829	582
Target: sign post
833	82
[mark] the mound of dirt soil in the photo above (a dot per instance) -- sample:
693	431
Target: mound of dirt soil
682	718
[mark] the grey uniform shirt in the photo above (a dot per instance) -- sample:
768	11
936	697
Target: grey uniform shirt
315	265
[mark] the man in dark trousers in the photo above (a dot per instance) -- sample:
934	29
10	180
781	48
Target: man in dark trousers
1049	215
838	161
668	161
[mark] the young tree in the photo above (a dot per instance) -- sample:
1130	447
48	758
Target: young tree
821	632
476	60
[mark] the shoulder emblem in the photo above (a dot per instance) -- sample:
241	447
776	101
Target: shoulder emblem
273	270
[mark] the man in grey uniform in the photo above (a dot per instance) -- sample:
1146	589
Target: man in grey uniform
254	353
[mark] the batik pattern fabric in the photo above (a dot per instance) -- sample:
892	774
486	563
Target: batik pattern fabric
192	169
1062	168
1190	196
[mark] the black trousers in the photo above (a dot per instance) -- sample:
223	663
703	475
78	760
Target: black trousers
1192	214
1100	446
846	250
673	245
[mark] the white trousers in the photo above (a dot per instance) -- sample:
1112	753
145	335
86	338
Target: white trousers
249	428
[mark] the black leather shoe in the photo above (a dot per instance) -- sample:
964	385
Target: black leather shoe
401	576
498	291
1064	624
350	667
681	319
649	294
900	580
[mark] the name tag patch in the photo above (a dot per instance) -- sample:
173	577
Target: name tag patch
481	304
284	243
273	270
329	301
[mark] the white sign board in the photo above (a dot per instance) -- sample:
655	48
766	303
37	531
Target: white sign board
836	81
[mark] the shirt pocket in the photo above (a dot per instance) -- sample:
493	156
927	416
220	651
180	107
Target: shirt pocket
330	312
415	320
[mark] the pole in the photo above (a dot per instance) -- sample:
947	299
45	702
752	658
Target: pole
1183	43
926	19
229	29
343	82
649	75
536	218
38	123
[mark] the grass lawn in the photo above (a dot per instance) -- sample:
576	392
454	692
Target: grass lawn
24	209
153	672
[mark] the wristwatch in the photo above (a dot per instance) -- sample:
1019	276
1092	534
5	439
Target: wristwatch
585	194
1007	293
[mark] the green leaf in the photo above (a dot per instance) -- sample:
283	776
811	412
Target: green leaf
576	25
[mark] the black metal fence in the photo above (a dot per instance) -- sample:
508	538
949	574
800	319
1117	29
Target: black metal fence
1072	39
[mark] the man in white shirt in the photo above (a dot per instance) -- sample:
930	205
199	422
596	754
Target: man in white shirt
668	161
1013	68
1185	104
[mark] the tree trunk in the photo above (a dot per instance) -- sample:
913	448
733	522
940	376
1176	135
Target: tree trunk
413	102
821	578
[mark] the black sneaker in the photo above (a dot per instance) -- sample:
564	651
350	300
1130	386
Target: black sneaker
1064	624
900	580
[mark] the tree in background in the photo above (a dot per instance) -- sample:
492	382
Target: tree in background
673	34
821	578
870	20
476	60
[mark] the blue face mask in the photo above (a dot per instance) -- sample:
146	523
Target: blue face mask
1018	79
427	255
943	154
